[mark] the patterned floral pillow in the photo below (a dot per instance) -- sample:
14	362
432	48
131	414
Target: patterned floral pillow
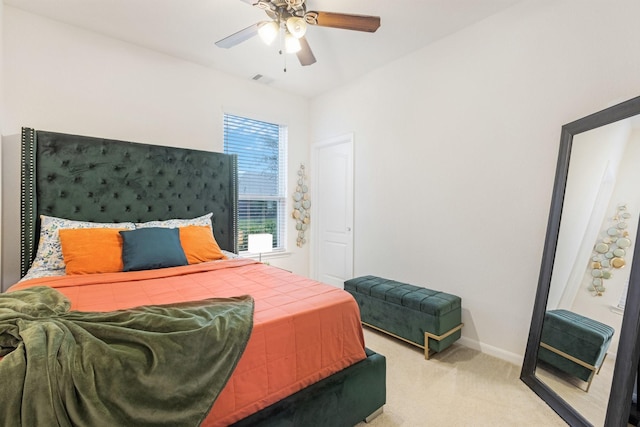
36	273
177	223
49	253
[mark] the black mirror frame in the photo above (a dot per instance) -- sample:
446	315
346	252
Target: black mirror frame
626	364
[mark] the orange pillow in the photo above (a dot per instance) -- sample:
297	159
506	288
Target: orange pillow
91	250
199	245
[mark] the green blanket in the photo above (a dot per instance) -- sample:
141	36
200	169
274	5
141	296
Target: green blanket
151	365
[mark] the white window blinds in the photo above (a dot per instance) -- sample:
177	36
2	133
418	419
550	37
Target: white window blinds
261	150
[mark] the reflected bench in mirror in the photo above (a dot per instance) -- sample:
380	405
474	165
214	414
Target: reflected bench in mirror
574	344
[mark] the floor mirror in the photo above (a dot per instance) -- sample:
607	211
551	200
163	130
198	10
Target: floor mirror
589	265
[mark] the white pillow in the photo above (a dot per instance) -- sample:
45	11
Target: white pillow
177	223
49	253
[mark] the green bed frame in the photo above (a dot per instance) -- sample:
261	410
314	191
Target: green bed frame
103	180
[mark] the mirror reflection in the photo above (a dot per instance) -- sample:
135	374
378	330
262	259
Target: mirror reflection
591	269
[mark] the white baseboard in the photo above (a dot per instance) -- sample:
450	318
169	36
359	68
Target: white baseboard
514	358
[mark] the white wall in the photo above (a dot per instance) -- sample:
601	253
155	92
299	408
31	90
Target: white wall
61	78
466	132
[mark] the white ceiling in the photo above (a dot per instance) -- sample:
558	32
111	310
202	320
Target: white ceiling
188	29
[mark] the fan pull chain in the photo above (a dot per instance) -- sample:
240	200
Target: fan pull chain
282	51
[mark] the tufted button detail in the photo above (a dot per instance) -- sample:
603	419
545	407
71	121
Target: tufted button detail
76	209
115	195
77	179
103	181
62	194
149	208
103	208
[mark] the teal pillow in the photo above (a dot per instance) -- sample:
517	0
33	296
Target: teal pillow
151	248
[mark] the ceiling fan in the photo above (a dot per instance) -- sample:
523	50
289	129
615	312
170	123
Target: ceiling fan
293	17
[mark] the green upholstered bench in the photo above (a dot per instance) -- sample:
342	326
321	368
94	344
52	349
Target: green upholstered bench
574	344
428	319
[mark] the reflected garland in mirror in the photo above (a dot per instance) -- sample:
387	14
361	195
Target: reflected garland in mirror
596	160
610	250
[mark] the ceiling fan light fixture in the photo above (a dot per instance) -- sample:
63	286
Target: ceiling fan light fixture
268	31
291	43
297	26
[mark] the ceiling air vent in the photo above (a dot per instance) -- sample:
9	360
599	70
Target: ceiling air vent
262	79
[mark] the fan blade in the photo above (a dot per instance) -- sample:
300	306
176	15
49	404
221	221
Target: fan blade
344	21
305	55
239	37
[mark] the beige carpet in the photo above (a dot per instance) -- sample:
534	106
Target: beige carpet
458	387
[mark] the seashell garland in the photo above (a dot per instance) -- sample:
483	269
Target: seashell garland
301	206
609	252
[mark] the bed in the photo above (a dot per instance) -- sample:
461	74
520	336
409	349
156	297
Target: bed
305	362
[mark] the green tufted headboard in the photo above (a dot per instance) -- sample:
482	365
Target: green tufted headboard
102	180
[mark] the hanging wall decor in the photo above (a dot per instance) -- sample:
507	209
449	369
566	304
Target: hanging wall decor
610	250
301	206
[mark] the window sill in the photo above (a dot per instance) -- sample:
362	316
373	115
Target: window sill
266	256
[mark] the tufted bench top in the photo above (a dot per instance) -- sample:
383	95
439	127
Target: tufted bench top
414	297
570	324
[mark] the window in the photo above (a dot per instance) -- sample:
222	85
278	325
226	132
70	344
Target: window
261	149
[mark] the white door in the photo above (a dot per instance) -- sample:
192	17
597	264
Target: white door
332	218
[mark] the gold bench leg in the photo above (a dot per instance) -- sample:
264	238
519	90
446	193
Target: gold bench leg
428	336
575	360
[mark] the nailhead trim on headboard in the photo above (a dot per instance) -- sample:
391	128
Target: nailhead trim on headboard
27	200
99	180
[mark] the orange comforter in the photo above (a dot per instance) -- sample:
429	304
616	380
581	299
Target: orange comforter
303	330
